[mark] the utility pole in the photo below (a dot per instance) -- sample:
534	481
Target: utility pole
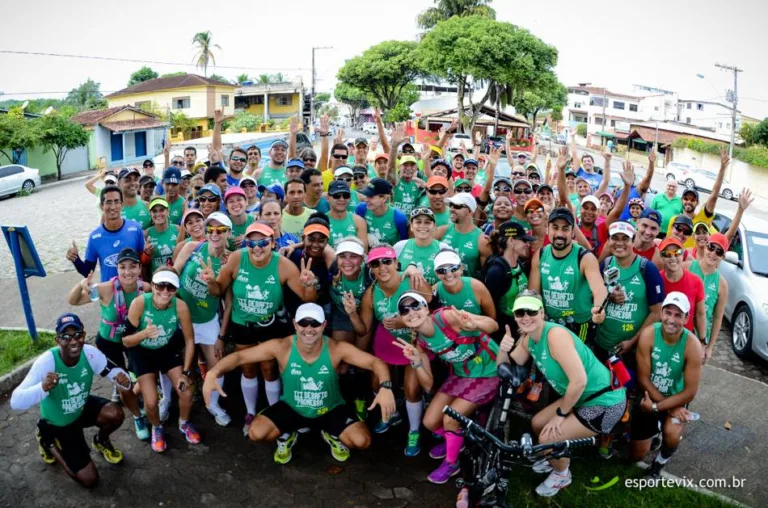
312	96
605	100
732	96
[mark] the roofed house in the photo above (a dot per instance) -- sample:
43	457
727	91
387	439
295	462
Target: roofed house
122	135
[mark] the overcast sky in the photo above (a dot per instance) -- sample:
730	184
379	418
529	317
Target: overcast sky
657	43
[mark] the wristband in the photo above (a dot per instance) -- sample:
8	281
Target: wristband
417	365
560	413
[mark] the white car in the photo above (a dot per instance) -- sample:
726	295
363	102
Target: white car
458	139
370	128
702	179
677	171
15	178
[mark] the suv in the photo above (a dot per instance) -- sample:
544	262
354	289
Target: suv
370	128
458	139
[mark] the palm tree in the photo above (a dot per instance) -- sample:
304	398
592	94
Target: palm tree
448	8
264	79
242	78
278	78
201	42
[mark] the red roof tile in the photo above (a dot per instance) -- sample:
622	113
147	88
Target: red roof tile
156	84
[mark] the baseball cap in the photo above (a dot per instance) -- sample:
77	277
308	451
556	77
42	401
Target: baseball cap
689	190
720	239
522	181
185	174
437	180
158	201
68	320
696	226
172	175
293	163
260	227
463	199
191	211
146	180
412	294
127	171
310	311
683	220
343	170
670	240
461	181
220	218
376	187
275	189
526	302
591	199
502	179
316	228
679	300
607	195
650	213
243	179
212	188
422	210
440	162
447	257
383	252
533	203
471	161
129	254
407	143
621	227
279	142
381	155
351	247
436	149
545	186
166	276
562	213
513	229
110	180
234	191
338	187
148	162
361	141
359	170
458	154
522	154
408	158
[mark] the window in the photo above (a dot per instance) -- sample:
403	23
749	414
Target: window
700	107
598	121
719	125
284	100
688	119
143	105
180	103
633	107
224	101
596	101
688	106
577	105
613	123
618	105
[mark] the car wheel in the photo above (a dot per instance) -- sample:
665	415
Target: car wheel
28	186
670	176
742	329
690	183
728	194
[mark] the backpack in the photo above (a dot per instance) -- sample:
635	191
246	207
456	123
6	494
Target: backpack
607	263
481	342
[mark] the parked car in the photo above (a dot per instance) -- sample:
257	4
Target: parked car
370	128
560	139
745	269
458	139
699	179
677	171
495	141
15	178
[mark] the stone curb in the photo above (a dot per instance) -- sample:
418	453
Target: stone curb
11	380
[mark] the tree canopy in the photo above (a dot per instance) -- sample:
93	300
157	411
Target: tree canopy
59	134
755	134
16	134
242	78
548	93
86	96
446	9
218	77
143	74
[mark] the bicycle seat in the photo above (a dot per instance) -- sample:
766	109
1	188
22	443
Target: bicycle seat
512	374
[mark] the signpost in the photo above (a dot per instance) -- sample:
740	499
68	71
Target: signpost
27	264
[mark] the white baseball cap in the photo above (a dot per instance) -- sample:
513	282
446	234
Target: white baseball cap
464	199
220	218
447	257
351	247
415	296
679	300
591	199
166	276
310	310
343	170
621	227
110	179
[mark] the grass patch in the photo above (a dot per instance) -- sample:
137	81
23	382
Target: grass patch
16	347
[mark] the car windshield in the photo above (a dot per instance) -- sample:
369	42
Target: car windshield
757	246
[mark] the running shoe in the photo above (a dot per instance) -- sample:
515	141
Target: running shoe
655	470
164	408
158	439
107	450
542	466
438	451
413	447
222	417
605	447
247	425
443	473
554	482
360	409
338	450
115	395
285	444
141	427
462	500
190	433
45	453
383	426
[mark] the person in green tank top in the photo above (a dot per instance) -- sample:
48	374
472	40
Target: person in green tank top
193	227
707	267
406	191
455	290
669	364
173	181
133	207
463	236
588	405
60	381
236	201
422	248
154	319
437	187
115	298
381	217
346	175
274	171
309	362
160	238
344	222
569	278
461	340
501	212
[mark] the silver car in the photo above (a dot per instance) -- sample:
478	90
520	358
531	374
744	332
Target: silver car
745	269
15	178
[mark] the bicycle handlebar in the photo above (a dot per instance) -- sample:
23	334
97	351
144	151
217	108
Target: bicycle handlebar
514	447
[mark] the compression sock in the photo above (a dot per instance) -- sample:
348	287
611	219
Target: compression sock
250	388
665	454
440	432
166	387
215	394
273	391
453	444
415	411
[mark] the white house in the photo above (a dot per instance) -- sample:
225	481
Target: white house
708	115
601	109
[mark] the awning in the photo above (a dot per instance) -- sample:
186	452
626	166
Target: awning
639	141
605	134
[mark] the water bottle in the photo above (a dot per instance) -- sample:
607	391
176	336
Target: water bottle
94	292
620	373
692	417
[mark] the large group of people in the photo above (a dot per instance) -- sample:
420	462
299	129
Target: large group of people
353	280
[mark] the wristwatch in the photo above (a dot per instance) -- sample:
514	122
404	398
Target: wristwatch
386	384
188	373
560	413
654	408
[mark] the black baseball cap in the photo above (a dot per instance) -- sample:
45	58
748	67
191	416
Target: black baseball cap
545	186
146	179
337	187
148	163
172	175
69	320
377	187
562	213
684	220
513	229
127	171
359	169
361	141
690	190
129	254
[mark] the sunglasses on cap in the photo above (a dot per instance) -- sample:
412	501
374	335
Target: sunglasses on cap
339	156
258	243
502	188
671	253
713	247
165	286
526	190
683	229
463	188
309	323
238	159
530	211
217	229
405	308
66	337
519	313
442	270
437	191
378	262
206	199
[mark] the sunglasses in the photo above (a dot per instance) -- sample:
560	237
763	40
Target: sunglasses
463	188
247	186
165	287
684	230
447	269
309	160
519	313
238	159
502	188
258	243
523	191
177	162
341	195
517	173
360	176
149	166
405	308
309	323
672	253
205	199
534	210
457	207
339	156
347	179
437	191
534	176
66	337
408	152
217	229
712	247
378	262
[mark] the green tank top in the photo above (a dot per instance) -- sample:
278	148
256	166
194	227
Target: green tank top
466	244
342	228
194	290
139	213
354	200
383	228
406	196
176	211
598	375
165	320
65	401
668	363
711	290
109	316
443	218
386	306
239	229
566	292
310	389
270	176
465	299
622	322
423	257
164	243
482	365
342	285
257	292
518	283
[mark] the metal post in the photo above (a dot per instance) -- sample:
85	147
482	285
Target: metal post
22	280
735	102
602	139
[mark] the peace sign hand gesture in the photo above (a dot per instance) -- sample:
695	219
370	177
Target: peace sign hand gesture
409	350
85	284
307	277
208	274
350	306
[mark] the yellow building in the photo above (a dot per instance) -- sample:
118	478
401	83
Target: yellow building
195	96
273	100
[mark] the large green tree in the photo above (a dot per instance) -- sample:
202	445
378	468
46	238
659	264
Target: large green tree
86	96
476	52
203	45
548	93
60	134
446	9
383	71
354	98
143	74
17	133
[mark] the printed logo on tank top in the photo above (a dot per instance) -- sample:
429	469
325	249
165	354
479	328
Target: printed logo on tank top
295	369
568	271
635	280
676	358
271	279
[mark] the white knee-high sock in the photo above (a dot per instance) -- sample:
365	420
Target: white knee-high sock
415	411
250	389
166	387
273	390
215	395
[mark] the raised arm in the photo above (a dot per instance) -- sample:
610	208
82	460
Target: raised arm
534	279
493	159
645	183
380	129
324	131
89	184
628	177
398	136
709	206
301	282
218	120
745	199
606	175
562	184
293	131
